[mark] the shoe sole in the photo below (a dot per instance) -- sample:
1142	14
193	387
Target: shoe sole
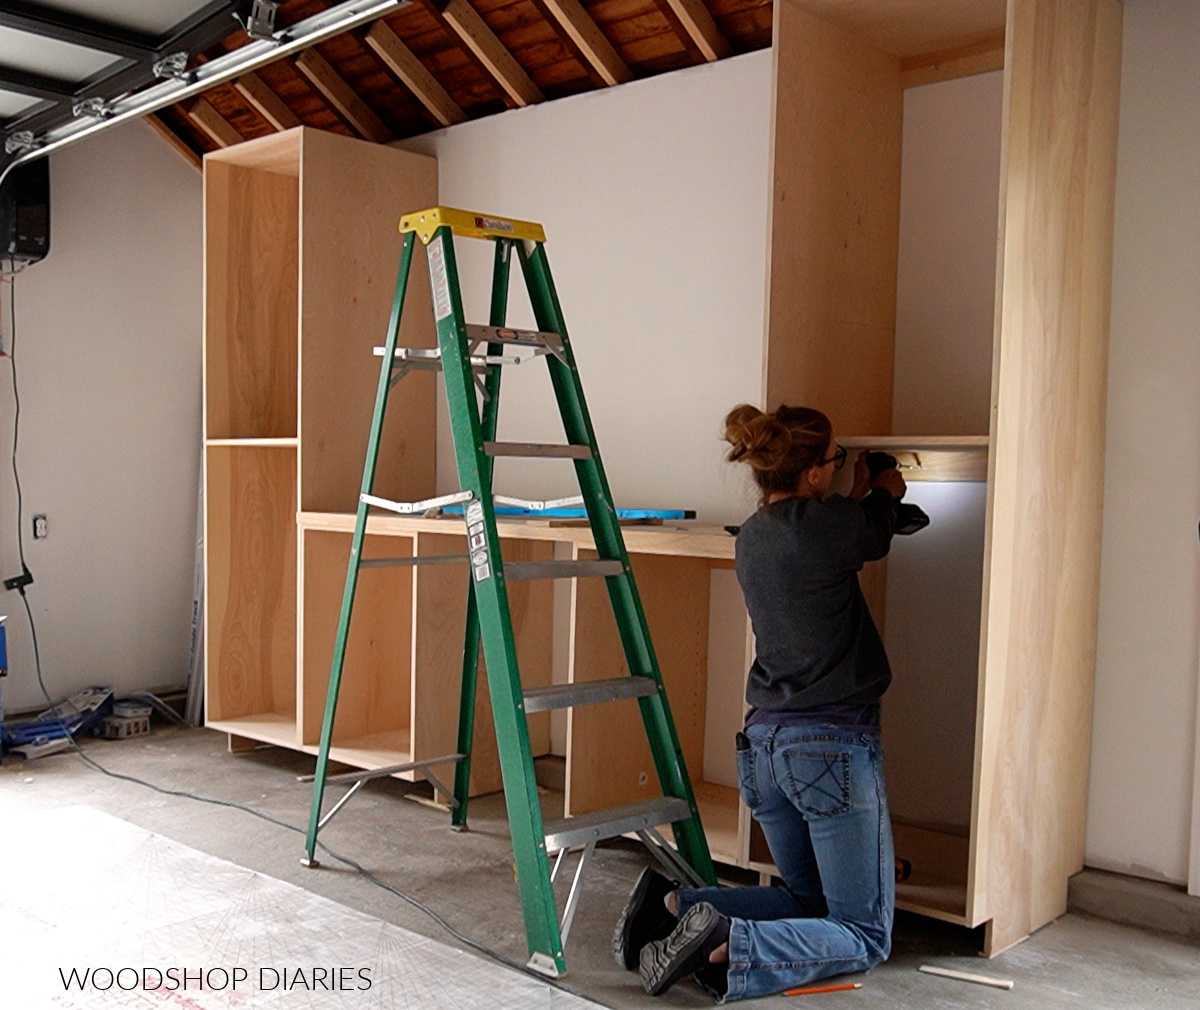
620	943
689	943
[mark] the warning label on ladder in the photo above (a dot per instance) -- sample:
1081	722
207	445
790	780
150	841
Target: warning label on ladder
480	566
437	273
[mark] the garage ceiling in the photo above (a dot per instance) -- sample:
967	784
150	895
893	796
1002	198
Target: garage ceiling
426	64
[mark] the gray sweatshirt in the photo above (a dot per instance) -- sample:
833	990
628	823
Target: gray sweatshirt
798	562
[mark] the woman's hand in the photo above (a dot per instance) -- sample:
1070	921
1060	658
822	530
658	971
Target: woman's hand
862	477
891	481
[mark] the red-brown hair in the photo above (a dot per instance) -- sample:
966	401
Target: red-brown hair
778	446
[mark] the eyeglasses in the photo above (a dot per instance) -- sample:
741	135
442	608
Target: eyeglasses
838	459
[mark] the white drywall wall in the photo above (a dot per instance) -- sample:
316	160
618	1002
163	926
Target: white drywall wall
654	199
108	358
1143	747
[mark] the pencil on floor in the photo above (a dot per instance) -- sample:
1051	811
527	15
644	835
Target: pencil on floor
823	988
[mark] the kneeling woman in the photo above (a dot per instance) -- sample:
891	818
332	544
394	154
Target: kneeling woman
809	760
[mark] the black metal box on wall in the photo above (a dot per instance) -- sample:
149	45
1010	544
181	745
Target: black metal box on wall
25	212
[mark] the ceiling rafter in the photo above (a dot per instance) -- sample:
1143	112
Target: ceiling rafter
701	28
177	143
265	102
398	58
591	42
490	51
342	97
214	125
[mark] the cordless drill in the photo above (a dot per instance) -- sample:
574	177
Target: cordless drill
911	517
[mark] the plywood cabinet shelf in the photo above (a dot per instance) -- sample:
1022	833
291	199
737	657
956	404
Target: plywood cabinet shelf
929	457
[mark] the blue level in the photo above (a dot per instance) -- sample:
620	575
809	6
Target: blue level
581	513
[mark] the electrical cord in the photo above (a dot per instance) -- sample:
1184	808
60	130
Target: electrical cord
182	793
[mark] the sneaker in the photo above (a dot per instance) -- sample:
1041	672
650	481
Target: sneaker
701	931
644	919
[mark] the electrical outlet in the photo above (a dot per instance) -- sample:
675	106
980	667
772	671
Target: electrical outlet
39	526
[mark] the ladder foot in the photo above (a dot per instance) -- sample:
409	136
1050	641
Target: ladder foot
544	964
310	862
459	827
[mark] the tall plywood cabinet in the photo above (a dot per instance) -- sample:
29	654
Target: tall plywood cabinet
839	77
301	254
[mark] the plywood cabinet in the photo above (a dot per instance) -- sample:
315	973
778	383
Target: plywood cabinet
839	75
989	767
301	252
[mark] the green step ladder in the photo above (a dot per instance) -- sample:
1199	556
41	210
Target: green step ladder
471	359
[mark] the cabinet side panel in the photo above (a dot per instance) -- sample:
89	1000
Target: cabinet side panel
375	689
250	555
835	223
352	197
251	249
1061	122
608	757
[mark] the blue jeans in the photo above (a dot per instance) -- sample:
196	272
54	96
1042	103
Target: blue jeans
818	793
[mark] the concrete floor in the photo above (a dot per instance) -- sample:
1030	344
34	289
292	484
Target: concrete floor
1076	961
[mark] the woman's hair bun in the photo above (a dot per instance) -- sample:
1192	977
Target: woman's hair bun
758	439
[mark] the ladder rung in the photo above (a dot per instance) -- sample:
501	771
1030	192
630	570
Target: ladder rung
525	570
537	449
594	692
415	559
614	822
430	358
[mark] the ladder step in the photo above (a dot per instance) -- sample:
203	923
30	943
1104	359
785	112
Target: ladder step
411	560
614	822
537	449
592	692
525	570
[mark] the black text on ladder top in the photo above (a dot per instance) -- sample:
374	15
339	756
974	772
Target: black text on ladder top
840	74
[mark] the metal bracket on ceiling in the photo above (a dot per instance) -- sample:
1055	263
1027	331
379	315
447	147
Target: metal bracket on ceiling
21	142
259	20
96	108
173	67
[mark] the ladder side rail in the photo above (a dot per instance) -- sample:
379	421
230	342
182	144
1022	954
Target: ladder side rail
610	544
470	670
495	621
360	525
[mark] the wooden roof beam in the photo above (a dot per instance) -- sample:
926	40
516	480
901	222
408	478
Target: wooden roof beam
342	97
590	40
176	142
268	104
490	51
404	64
214	125
701	28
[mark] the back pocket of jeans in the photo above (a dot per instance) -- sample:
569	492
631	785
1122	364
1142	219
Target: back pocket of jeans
747	785
820	781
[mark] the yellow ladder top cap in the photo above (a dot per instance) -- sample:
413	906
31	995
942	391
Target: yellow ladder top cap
469	224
